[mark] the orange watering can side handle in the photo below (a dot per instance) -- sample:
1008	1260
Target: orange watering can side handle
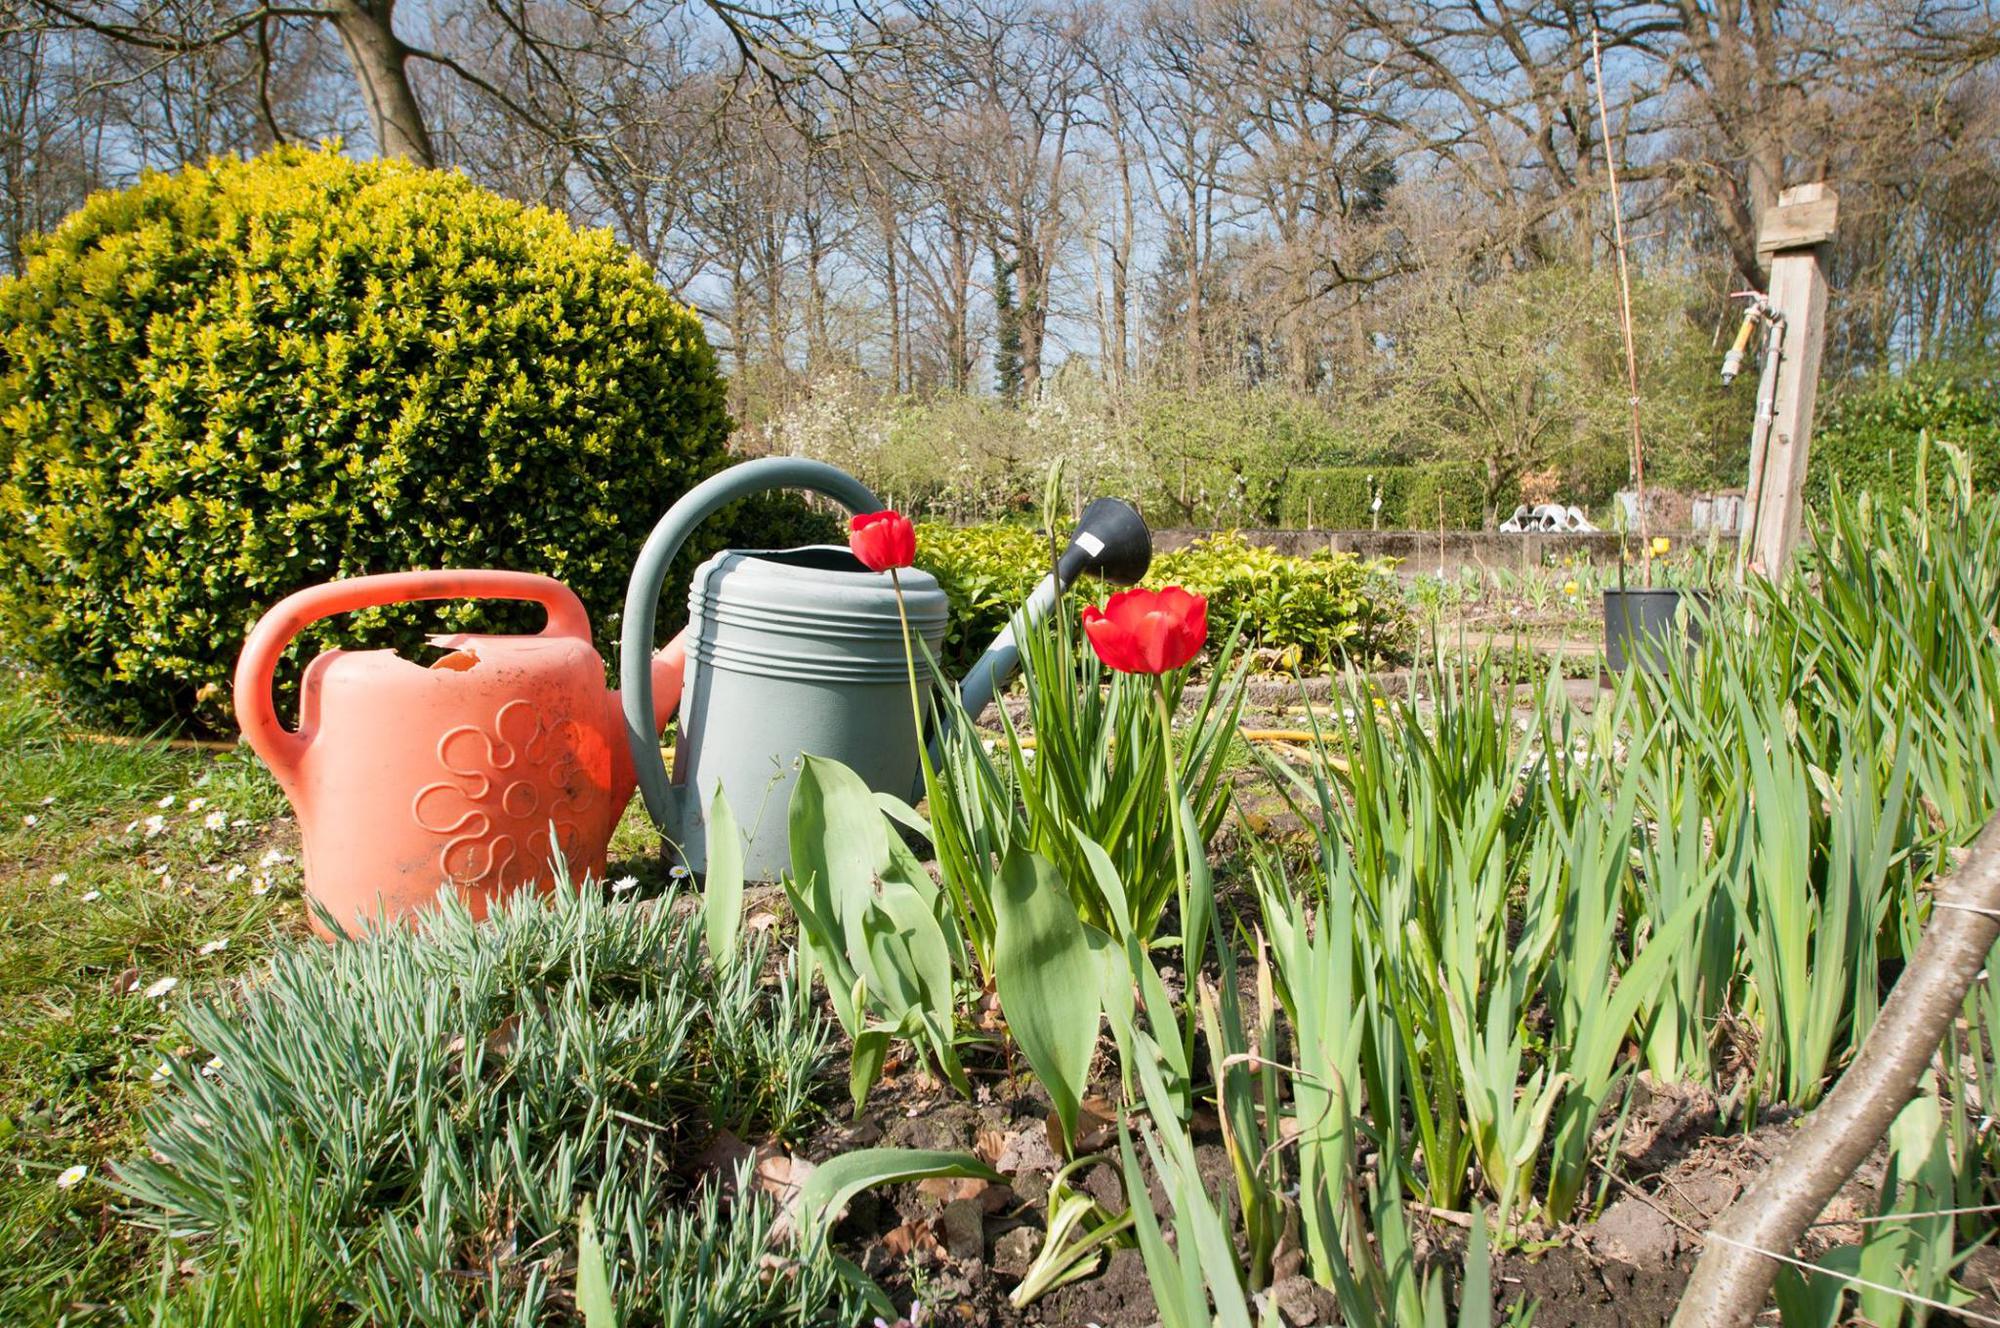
256	713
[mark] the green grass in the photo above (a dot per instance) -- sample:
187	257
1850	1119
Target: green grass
95	897
97	904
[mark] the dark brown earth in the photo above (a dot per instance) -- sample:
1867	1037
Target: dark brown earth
960	1247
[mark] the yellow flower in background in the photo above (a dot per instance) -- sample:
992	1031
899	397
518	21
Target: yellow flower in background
1570	589
1661	544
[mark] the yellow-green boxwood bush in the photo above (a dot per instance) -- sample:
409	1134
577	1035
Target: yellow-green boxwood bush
1325	608
224	384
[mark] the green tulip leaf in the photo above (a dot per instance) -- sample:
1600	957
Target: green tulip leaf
722	889
1048	979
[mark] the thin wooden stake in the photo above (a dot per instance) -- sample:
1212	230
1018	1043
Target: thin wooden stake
1624	304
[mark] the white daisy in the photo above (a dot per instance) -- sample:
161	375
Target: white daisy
60	878
678	872
163	1073
49	801
155	824
165	802
235	872
216	946
72	1177
260	885
91	896
239	823
31	820
216	821
272	859
161	988
196	804
624	883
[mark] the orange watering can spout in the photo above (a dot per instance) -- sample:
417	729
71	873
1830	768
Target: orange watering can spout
669	672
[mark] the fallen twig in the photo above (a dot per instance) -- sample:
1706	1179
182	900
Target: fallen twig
1745	1246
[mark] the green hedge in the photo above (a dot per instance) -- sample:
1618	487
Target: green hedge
1325	608
1869	437
225	384
1338	497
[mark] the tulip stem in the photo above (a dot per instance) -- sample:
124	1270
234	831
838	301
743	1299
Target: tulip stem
910	664
1188	943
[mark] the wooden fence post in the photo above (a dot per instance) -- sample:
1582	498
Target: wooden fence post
1796	235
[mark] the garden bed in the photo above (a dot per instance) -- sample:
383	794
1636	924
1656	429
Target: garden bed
1503	988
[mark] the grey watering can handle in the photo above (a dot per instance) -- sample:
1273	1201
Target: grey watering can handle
642	595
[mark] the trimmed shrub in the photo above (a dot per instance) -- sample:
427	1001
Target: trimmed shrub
1455	488
224	384
1869	437
1338	497
1325	608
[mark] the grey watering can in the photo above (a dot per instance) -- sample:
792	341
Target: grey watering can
797	651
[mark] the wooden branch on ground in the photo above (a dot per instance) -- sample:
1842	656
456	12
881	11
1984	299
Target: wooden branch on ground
1734	1276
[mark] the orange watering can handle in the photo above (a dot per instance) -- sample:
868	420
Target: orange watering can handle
255	667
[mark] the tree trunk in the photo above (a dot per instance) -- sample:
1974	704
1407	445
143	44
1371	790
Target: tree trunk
893	290
381	66
1734	1277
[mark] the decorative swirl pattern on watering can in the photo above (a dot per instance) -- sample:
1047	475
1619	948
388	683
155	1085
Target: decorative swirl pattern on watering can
499	835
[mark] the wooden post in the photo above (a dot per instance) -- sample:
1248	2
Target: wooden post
1795	234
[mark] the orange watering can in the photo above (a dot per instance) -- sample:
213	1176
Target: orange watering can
470	773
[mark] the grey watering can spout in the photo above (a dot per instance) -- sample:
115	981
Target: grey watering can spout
1110	542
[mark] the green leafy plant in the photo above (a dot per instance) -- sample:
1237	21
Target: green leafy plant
1871	433
1907	1247
1202	1263
826	1192
226	383
1078	1230
1049	980
874	925
722	886
1324	609
417	1122
1097	772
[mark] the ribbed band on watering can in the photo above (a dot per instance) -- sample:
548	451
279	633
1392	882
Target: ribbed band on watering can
810	614
642	595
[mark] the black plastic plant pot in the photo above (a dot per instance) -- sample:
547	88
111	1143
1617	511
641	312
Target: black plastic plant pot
1647	626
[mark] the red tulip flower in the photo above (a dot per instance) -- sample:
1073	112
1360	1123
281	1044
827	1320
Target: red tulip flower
883	541
1148	631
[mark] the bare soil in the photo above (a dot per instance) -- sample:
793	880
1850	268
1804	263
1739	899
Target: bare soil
961	1247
